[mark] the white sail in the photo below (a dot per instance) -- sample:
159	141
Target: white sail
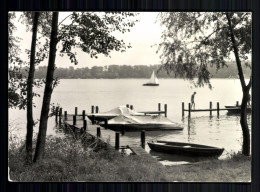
153	79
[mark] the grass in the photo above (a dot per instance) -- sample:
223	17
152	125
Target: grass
66	160
237	168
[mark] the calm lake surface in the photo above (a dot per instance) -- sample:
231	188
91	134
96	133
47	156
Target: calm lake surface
224	131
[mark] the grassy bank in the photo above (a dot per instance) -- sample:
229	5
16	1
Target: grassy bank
237	168
67	161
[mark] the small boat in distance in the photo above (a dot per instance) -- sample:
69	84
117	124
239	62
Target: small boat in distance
185	148
153	81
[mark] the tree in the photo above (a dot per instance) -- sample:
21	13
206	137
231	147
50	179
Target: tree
30	122
92	33
192	42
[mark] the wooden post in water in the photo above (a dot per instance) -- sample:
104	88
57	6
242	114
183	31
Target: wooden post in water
123	130
127	105
76	111
159	106
189	109
237	104
218	109
131	107
74	119
85	124
98	132
65	115
83	114
56	114
143	139
106	124
182	108
117	141
210	107
165	110
97	109
92	108
93	119
60	114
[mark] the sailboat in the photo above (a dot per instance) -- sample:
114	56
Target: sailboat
153	81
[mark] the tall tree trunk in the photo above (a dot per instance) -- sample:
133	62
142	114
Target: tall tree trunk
39	151
30	122
245	89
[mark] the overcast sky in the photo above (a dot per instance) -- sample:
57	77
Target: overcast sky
142	36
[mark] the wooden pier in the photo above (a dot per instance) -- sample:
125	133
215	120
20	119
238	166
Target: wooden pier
189	110
110	138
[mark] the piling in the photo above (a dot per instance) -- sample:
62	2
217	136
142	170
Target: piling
165	110
117	141
74	120
218	109
65	115
76	111
159	106
106	124
84	124
97	109
98	132
92	109
127	105
131	107
123	130
56	114
189	109
210	108
83	114
182	108
237	104
60	115
143	139
93	119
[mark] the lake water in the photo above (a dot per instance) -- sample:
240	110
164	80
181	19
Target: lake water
224	131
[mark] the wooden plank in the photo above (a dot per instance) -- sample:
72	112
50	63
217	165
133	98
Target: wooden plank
108	137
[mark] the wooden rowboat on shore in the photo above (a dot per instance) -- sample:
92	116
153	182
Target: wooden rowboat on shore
185	148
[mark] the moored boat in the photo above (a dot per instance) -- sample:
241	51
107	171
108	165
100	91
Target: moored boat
237	109
137	122
185	148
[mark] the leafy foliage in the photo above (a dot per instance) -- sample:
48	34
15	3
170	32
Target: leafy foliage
194	41
93	33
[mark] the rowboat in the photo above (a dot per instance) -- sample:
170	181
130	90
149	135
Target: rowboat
185	148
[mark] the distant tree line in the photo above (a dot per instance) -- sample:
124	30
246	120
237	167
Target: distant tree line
125	71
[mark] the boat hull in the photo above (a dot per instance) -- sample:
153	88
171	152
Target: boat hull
138	127
236	110
185	148
150	84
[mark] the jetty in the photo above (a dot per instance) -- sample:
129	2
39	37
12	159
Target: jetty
80	123
231	109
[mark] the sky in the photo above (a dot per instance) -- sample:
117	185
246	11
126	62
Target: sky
146	33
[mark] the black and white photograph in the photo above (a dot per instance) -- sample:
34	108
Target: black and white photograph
129	96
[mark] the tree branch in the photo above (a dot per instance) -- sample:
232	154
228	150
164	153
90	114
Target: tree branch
64	19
